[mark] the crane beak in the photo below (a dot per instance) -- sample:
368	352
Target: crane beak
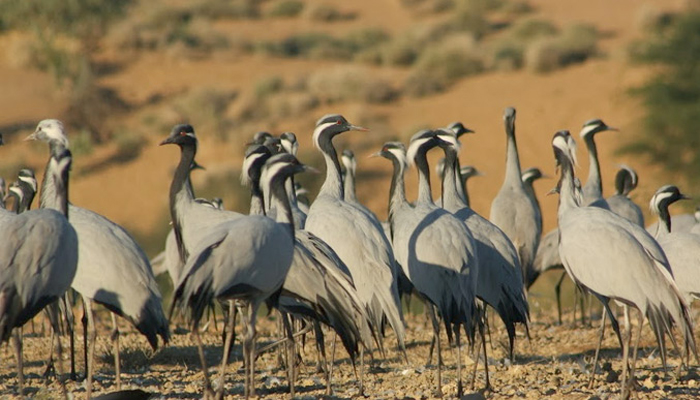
168	140
479	173
33	136
377	154
357	128
308	168
612	128
684	197
554	190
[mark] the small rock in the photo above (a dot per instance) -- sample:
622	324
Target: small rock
271	381
612	377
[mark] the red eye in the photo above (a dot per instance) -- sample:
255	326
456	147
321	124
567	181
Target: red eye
339	122
183	133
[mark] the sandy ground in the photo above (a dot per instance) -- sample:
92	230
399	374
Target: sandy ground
555	363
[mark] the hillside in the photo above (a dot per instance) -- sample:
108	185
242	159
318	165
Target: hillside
133	191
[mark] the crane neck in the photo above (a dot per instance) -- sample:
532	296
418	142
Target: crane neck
181	192
452	200
349	185
512	160
276	197
48	185
664	225
59	200
27	199
333	185
593	187
397	191
424	192
291	193
568	197
257	206
16	204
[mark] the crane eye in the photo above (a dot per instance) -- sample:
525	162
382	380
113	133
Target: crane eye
339	122
183	133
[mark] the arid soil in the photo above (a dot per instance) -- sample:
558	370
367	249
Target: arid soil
555	363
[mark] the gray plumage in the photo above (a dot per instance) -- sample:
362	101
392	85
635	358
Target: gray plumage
288	143
350	164
465	173
112	269
38	253
499	279
359	241
592	191
679	222
614	258
682	248
512	210
436	250
620	203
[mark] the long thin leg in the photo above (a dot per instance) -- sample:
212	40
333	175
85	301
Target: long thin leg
436	333
249	344
460	389
20	363
362	370
208	392
329	379
636	348
84	320
117	359
49	364
476	362
90	364
71	336
557	292
227	344
597	350
487	386
624	392
291	352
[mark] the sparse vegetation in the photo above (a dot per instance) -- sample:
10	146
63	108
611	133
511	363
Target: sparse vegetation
328	13
207	109
285	8
671	99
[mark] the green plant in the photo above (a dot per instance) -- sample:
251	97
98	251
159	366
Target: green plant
328	13
285	8
671	100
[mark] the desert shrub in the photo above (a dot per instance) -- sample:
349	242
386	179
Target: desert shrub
81	144
575	44
350	83
531	29
671	100
206	108
129	145
328	13
267	86
404	49
440	66
324	46
226	9
285	8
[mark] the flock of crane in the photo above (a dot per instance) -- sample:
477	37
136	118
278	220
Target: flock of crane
333	263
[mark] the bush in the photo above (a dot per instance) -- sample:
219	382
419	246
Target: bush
671	100
323	46
439	67
328	13
285	8
349	83
576	44
129	145
206	108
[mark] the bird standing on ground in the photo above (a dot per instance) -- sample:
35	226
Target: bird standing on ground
615	259
512	210
38	256
681	248
112	268
359	241
436	251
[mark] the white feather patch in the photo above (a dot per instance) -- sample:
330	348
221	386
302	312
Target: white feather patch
413	149
247	164
318	130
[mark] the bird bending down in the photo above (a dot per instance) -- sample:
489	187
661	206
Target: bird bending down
38	257
436	250
681	248
620	203
615	259
245	259
512	210
358	240
112	268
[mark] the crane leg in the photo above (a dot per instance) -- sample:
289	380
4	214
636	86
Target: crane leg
229	327
329	378
71	335
624	390
90	360
249	348
460	389
631	384
20	363
320	348
597	351
436	334
117	359
291	353
208	392
84	320
557	293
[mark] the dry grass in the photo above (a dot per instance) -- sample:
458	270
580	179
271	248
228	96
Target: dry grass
350	83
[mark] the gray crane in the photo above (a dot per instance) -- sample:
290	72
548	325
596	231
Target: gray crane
27	182
499	282
680	222
112	269
350	164
436	251
615	259
681	248
318	285
289	143
593	189
466	172
512	210
620	203
39	253
529	177
245	259
358	240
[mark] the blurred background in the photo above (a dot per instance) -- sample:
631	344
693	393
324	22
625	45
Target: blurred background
121	73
